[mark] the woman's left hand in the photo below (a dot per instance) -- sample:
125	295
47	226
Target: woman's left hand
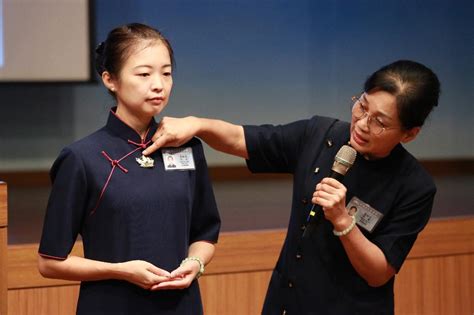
330	194
181	277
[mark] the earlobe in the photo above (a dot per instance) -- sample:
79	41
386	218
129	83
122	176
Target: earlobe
108	81
410	134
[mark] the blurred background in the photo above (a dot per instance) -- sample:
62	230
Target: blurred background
248	62
260	62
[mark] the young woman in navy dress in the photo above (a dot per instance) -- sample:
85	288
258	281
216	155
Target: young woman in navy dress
147	230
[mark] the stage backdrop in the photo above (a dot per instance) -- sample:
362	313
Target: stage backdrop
255	62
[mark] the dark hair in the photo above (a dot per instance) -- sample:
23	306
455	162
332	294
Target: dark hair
416	89
120	44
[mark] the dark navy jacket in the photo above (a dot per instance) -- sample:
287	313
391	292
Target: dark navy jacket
315	276
125	212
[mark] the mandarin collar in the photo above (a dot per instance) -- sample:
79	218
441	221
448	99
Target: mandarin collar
127	133
386	162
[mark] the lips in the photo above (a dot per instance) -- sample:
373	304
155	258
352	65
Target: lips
156	100
358	138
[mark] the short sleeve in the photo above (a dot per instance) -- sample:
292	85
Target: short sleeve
274	149
65	210
407	220
205	221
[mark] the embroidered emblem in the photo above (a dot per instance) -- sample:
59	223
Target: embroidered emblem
145	161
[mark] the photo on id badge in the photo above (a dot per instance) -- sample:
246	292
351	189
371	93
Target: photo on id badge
366	216
178	159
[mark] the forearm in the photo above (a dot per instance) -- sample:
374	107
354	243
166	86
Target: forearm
367	259
222	136
202	249
78	269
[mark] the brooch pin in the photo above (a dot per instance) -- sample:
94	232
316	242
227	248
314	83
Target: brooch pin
145	161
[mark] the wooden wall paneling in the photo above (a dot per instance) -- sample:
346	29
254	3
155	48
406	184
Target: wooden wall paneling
436	286
60	300
445	237
3	205
23	268
3	271
246	251
3	248
234	293
435	279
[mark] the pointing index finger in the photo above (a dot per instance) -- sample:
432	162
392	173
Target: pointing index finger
159	142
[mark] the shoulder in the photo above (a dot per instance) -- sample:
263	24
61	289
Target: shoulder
321	129
302	126
93	140
415	176
74	154
322	124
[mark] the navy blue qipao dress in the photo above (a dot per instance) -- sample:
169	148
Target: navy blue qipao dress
314	275
126	212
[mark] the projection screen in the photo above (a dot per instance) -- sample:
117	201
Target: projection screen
45	40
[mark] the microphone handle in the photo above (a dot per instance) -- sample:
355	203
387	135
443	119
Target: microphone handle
336	176
316	210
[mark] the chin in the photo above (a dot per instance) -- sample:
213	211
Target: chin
154	109
361	150
354	143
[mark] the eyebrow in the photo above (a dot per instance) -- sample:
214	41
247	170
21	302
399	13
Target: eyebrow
151	67
379	113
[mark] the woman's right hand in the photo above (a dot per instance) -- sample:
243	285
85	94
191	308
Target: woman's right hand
142	273
218	134
173	132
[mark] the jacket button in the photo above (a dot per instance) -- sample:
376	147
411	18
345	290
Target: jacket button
284	312
298	256
316	170
290	284
329	143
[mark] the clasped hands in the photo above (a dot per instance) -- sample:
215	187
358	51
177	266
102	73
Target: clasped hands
150	277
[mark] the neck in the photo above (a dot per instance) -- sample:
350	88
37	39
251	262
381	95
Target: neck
139	124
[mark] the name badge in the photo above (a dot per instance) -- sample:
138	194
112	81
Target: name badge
366	216
178	159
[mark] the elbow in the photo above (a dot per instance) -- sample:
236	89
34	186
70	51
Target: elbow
380	280
375	283
45	267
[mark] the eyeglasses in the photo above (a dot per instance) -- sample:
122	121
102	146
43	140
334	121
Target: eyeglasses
359	111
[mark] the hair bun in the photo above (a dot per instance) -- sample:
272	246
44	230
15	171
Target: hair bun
100	48
99	58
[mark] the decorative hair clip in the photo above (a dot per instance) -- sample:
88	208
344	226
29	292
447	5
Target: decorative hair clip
100	48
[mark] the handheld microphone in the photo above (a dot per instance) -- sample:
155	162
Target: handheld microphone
343	161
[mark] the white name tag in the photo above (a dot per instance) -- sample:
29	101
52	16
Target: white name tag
366	216
178	159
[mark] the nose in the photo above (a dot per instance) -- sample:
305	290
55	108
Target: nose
364	122
157	83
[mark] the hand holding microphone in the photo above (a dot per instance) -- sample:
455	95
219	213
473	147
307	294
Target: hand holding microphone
343	161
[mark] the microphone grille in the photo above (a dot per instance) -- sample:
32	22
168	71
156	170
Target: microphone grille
346	155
